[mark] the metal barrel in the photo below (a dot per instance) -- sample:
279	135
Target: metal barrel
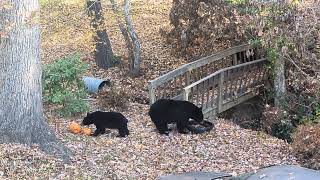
94	84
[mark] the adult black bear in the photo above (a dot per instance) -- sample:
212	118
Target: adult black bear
165	111
110	120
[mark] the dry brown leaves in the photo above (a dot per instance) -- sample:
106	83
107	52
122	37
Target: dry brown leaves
306	145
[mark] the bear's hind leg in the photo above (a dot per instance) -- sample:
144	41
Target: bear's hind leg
181	126
162	128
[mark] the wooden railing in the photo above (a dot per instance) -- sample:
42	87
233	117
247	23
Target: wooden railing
227	87
172	84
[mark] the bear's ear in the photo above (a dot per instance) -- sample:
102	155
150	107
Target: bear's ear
88	114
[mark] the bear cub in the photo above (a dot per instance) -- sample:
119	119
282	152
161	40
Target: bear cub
110	120
166	111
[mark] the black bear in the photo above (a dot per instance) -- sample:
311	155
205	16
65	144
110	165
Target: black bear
110	120
166	111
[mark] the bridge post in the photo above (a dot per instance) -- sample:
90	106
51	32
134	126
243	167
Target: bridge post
188	75
151	94
220	92
186	94
235	59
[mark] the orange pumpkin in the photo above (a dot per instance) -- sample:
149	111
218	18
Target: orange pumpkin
75	127
86	131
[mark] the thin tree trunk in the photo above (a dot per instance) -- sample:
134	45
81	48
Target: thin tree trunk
279	82
21	109
103	53
134	38
125	34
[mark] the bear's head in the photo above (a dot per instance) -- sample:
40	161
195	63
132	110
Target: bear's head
87	120
197	114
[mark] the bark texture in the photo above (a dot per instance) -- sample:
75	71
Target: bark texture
21	109
279	82
134	38
103	53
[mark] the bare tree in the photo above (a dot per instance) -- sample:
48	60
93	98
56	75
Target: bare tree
21	109
130	37
134	38
125	35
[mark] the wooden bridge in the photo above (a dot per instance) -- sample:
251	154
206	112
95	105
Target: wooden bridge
216	82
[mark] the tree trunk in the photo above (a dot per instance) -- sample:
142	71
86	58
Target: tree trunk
279	82
103	53
21	109
125	35
134	38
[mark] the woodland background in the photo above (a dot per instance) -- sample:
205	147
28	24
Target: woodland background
171	34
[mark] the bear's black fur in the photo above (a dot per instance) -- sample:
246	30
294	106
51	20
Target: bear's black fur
165	111
110	120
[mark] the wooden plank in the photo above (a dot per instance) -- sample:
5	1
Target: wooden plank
212	83
173	87
240	58
185	94
248	76
241	79
226	84
235	59
203	92
192	93
220	91
188	76
152	97
234	86
197	92
196	74
179	85
208	92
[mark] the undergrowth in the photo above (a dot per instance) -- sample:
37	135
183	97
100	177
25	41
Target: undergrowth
64	87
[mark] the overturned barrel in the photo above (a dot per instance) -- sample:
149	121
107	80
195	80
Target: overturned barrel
93	85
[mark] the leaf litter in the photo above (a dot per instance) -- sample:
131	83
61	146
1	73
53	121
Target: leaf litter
145	154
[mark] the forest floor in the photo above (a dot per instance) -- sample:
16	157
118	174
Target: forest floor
144	154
